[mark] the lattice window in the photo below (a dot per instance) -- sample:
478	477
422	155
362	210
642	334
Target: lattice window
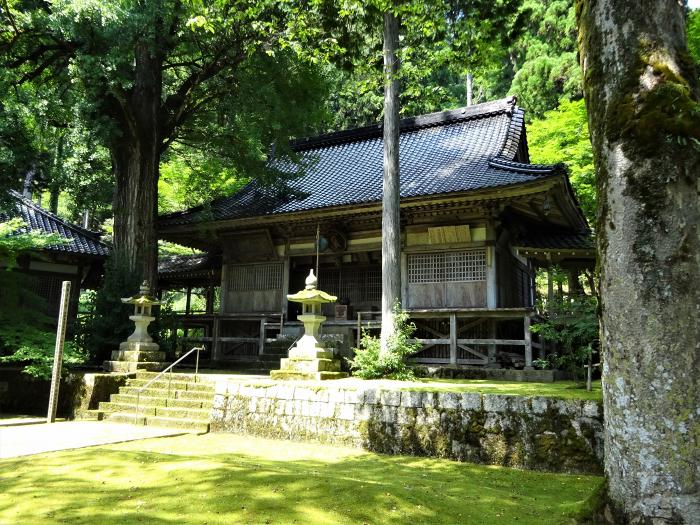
251	277
358	285
439	267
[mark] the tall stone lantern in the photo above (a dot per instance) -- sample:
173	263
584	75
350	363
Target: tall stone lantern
138	352
308	359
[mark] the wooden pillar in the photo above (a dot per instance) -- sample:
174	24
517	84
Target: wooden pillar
453	339
210	299
261	343
550	286
491	274
188	300
286	268
528	343
492	349
215	347
404	280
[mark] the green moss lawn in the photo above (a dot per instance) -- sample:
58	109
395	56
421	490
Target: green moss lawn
228	479
558	389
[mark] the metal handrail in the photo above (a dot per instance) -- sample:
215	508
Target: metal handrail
170	376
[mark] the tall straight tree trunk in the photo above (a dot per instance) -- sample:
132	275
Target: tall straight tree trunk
135	158
470	89
644	117
391	221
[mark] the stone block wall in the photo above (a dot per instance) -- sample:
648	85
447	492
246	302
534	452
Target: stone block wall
527	432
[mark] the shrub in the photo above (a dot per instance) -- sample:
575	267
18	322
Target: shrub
35	349
572	323
110	324
370	363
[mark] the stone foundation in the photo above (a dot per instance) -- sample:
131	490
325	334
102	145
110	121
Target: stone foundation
527	432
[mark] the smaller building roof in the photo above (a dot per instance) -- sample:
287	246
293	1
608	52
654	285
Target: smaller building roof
79	240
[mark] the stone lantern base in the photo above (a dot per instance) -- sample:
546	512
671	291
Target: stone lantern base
135	355
308	360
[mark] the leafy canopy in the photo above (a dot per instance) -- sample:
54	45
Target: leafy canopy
561	135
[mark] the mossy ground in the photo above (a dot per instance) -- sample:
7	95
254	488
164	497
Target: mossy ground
223	478
559	389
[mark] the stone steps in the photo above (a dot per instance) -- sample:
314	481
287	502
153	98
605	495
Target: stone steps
183	401
175	384
170	422
154	410
129	399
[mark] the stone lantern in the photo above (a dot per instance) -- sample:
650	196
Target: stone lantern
308	359
143	303
138	352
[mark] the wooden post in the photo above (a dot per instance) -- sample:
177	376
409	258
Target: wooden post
453	339
188	300
209	309
391	219
215	349
528	344
58	352
261	344
492	359
550	286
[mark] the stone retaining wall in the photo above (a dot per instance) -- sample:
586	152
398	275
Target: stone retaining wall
528	432
78	393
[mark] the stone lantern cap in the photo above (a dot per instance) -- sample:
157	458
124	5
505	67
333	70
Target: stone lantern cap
310	295
142	298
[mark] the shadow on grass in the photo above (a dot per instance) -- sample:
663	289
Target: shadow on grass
104	485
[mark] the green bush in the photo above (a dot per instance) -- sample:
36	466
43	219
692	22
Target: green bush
572	323
27	335
110	324
35	349
370	363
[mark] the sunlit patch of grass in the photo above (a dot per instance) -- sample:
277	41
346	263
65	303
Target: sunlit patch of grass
558	389
223	479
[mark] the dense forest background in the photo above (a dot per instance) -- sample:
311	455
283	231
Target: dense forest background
51	145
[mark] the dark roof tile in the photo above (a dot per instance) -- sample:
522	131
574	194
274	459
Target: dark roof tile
79	240
446	152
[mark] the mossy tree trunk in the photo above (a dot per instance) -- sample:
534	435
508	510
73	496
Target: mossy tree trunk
644	117
391	222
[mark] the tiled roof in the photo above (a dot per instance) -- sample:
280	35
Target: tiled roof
452	151
177	264
553	240
80	240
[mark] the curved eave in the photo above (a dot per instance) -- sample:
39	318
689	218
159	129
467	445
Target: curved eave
486	194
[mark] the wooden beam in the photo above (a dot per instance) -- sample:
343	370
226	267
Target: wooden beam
528	343
261	343
453	339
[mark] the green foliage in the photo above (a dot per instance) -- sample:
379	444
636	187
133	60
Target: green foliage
572	323
16	238
440	43
35	349
27	334
693	33
371	363
110	324
546	56
561	135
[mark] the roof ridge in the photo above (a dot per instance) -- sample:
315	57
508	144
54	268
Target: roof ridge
71	226
417	122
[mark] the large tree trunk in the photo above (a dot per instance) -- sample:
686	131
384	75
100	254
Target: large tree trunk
642	101
136	157
391	223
